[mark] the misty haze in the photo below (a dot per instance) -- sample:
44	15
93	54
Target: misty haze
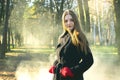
29	32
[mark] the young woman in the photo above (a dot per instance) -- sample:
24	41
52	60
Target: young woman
74	56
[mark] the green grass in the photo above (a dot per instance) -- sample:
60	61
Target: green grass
42	50
34	50
94	49
104	49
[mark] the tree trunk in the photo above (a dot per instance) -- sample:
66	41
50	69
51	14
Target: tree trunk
57	29
87	22
2	11
8	49
81	13
117	23
5	30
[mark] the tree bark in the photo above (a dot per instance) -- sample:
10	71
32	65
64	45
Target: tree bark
87	22
8	44
81	13
2	2
5	30
117	23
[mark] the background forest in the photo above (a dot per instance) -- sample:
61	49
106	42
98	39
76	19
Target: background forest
36	24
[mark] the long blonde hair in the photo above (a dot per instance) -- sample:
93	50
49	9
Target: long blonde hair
78	37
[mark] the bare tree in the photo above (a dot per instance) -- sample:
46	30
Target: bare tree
2	2
81	11
5	30
87	16
117	23
84	14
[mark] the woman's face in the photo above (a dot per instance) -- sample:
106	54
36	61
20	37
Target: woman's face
69	23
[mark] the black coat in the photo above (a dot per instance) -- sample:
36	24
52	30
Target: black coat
72	57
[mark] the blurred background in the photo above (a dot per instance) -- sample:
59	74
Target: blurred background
29	31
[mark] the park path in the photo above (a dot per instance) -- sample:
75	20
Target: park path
29	66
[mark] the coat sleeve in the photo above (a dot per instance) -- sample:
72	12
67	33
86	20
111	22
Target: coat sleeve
55	62
84	64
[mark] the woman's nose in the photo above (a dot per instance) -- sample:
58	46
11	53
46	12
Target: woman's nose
68	22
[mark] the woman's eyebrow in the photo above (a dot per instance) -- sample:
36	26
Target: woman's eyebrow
66	20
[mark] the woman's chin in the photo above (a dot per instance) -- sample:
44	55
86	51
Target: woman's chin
71	29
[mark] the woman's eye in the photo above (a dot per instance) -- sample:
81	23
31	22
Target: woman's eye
71	20
66	20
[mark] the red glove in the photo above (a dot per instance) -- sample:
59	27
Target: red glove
66	72
51	70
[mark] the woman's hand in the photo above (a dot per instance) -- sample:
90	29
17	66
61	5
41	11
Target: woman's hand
65	71
51	70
